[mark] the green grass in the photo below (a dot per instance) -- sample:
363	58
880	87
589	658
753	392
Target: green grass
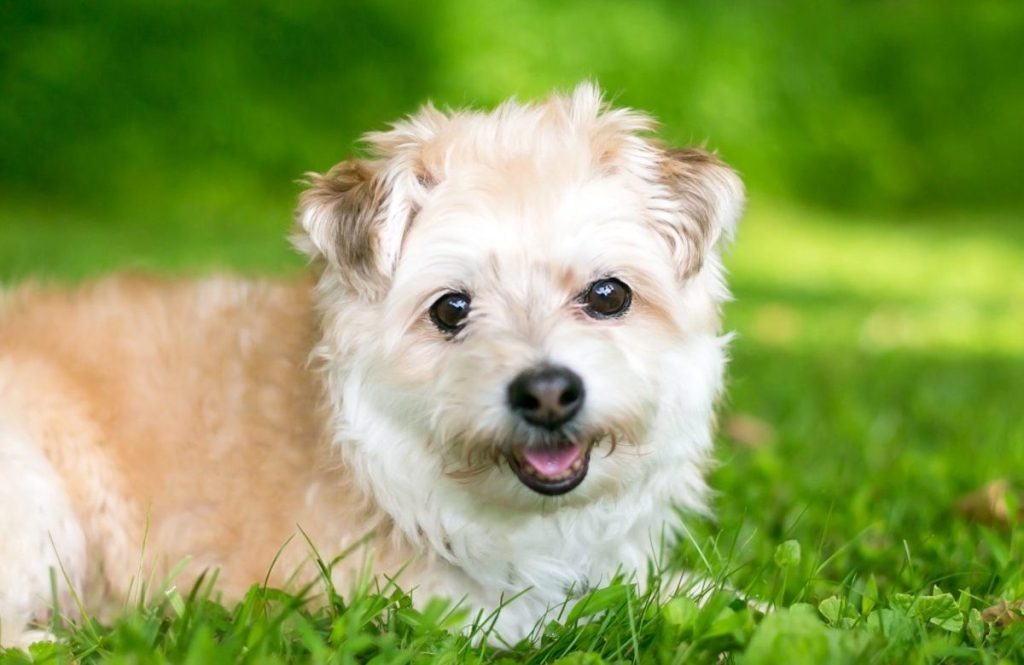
884	367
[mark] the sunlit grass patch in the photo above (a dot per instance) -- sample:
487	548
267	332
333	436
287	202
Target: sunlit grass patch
812	280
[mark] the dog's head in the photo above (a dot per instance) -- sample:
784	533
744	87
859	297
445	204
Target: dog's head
531	293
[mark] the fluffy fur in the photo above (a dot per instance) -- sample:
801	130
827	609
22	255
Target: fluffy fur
210	418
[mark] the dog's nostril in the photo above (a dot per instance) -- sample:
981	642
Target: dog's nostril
548	396
528	401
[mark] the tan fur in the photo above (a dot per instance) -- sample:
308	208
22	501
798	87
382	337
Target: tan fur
185	409
351	198
693	175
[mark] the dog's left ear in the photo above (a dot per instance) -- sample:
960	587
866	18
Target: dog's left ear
707	202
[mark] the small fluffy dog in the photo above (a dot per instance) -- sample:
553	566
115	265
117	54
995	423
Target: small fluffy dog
500	377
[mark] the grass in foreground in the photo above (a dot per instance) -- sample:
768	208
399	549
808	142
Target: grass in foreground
876	381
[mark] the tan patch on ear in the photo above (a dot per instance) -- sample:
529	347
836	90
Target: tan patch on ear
425	176
686	171
340	213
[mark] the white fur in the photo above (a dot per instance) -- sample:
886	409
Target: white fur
39	536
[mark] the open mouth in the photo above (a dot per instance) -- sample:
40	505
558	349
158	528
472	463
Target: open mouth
553	469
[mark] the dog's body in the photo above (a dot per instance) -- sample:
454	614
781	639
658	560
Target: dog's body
503	375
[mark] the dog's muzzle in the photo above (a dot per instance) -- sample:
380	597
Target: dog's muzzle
549	397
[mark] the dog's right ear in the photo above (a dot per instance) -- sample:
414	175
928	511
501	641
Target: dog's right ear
354	218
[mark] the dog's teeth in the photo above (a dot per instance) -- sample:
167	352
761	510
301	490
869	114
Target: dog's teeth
576	465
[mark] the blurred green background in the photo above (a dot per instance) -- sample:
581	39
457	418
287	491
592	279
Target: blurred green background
879	273
153	128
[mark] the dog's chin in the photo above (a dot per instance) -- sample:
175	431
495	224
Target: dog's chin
553	469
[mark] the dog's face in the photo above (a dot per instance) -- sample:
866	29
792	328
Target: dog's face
532	291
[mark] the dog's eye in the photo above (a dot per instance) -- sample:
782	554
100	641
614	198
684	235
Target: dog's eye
607	298
449	311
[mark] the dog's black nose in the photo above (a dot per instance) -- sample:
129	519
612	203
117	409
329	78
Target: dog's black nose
547	396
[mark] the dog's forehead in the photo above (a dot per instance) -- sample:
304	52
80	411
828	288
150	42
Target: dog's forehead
499	225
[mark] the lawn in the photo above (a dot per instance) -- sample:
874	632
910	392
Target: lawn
875	386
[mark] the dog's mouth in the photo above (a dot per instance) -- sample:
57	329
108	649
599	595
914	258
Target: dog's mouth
552	469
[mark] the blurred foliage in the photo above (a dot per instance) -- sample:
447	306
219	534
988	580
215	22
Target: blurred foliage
211	107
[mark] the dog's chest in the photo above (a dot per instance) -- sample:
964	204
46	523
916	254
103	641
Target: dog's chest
545	564
556	555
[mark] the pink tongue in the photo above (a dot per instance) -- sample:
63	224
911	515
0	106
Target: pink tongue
553	461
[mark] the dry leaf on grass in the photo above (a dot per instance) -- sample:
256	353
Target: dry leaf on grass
1004	613
990	504
748	430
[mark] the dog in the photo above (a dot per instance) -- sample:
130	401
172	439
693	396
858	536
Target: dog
498	377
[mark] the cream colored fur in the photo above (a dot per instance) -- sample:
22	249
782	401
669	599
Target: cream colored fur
212	418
